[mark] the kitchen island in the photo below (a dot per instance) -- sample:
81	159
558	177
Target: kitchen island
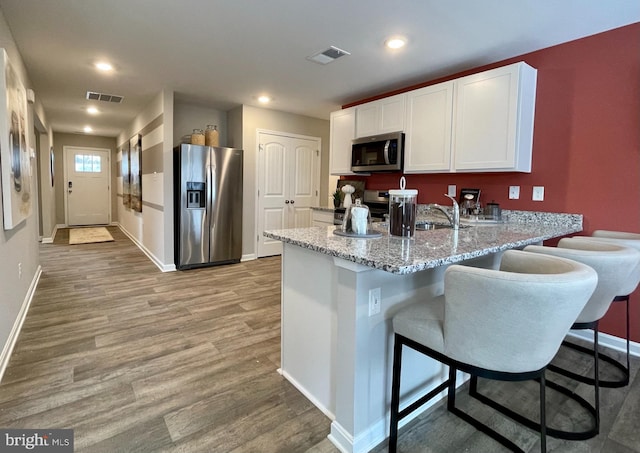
339	295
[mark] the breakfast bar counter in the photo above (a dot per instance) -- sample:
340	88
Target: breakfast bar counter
338	298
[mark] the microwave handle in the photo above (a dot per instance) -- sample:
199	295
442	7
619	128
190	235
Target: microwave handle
386	152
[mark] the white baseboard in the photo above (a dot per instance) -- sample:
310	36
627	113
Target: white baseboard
248	257
154	259
608	341
379	431
17	325
50	240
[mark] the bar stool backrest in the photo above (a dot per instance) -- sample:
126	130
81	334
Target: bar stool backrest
513	319
634	277
613	264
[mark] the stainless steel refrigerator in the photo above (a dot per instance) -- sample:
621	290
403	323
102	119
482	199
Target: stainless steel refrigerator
208	205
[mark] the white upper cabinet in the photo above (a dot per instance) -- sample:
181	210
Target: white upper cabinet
428	131
493	125
479	123
342	132
381	116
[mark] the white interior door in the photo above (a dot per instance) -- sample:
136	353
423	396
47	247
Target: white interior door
288	185
87	176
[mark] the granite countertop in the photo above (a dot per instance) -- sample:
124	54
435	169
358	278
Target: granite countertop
322	208
433	248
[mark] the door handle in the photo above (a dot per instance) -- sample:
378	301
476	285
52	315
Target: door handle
293	201
286	201
70	191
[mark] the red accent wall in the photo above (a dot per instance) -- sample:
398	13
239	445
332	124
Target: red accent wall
586	143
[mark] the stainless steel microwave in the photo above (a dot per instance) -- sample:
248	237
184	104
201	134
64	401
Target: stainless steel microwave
382	152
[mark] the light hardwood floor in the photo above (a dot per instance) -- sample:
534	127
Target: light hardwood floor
136	360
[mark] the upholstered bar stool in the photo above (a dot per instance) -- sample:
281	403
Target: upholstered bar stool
504	324
625	239
613	264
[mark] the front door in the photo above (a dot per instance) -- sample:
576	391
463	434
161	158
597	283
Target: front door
88	195
288	185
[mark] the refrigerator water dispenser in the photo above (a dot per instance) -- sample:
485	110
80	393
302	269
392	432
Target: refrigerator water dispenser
195	195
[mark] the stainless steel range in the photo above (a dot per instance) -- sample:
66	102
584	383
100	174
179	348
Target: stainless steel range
376	200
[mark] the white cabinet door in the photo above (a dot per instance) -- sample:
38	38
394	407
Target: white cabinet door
367	119
494	119
322	218
428	132
342	132
381	116
391	114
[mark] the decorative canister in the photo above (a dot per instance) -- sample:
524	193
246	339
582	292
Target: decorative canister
403	205
197	137
211	136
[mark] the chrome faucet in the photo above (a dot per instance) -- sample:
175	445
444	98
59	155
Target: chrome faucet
454	217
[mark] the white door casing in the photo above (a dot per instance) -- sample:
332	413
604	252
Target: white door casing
288	185
87	176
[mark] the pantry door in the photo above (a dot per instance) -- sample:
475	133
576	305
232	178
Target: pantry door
288	185
87	189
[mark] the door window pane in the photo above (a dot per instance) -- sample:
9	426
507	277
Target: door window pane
88	163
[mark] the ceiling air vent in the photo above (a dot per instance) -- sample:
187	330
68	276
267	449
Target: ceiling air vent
327	56
93	96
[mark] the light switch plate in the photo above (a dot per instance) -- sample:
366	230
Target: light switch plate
452	189
374	301
538	193
514	192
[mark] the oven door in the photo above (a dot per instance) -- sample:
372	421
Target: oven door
377	153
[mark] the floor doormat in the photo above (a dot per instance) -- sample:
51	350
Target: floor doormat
89	235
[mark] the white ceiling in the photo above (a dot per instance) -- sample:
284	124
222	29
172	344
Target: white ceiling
225	53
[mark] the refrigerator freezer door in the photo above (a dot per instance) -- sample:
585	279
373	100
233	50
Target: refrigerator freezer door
226	205
194	217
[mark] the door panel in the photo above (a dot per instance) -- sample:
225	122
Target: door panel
288	185
272	192
87	185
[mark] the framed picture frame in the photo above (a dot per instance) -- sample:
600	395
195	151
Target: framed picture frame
126	176
14	148
135	170
52	166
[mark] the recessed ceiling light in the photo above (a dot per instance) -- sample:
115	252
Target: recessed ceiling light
92	111
104	66
88	129
395	42
264	99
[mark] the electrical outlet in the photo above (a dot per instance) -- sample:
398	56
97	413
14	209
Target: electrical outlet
374	301
19	270
538	193
514	192
452	190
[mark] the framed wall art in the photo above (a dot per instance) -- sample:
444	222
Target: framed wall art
14	150
126	176
135	170
51	165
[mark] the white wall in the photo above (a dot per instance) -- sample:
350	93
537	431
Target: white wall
251	119
19	246
187	117
152	229
60	140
